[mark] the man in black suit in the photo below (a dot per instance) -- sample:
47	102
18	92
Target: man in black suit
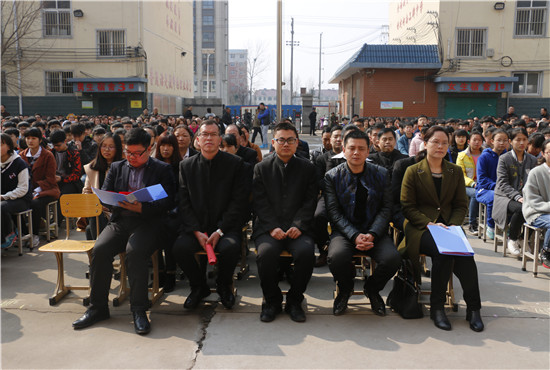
214	204
132	228
248	155
285	196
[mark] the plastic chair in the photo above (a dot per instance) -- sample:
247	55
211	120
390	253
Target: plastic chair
72	206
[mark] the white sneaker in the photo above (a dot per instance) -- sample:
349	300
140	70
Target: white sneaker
513	247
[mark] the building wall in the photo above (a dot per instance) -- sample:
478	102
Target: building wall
237	79
155	35
504	52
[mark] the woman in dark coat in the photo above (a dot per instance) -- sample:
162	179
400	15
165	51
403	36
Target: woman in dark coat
433	193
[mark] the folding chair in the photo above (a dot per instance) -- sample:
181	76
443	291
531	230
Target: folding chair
72	206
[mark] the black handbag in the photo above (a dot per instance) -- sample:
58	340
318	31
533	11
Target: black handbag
403	298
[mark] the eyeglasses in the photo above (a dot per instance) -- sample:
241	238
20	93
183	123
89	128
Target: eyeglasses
438	143
289	141
134	155
209	134
108	147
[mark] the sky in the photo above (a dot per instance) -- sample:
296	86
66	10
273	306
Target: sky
346	25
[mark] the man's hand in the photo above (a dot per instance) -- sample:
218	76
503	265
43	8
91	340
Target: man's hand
57	178
78	144
520	200
201	238
213	240
134	206
277	234
293	233
364	242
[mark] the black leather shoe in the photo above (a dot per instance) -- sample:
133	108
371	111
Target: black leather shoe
90	317
226	297
340	303
169	283
474	317
141	322
295	311
195	297
440	319
321	260
269	312
376	302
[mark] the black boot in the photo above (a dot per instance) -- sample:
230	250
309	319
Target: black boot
474	317
440	319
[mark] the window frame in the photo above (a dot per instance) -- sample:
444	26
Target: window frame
60	81
57	11
4	83
111	47
470	44
526	73
530	25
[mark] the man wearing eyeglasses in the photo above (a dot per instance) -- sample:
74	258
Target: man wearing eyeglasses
285	195
132	228
214	189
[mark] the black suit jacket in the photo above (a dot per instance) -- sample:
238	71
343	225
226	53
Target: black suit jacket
214	194
248	155
156	172
284	196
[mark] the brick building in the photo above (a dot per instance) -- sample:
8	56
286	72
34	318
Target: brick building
389	81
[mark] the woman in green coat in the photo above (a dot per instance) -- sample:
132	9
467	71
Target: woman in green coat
433	193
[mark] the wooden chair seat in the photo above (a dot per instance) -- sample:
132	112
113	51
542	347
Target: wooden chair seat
362	263
72	206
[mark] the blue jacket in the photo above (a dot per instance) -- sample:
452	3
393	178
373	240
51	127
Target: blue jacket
264	117
403	144
487	169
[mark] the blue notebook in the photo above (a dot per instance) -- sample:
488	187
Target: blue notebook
148	194
451	241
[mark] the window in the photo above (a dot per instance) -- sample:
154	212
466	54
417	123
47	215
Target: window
4	88
204	86
207	20
208	4
57	18
56	83
211	64
111	43
208	40
528	83
242	56
212	86
470	42
531	18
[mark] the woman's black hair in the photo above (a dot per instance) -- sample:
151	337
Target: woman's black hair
99	163
430	132
170	139
6	139
230	139
517	131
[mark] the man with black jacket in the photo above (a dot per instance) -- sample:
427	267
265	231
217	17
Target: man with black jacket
387	155
285	195
358	202
132	228
214	204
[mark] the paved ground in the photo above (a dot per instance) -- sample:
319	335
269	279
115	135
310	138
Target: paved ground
516	310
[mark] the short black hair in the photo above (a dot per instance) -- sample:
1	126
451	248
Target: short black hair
356	134
337	128
536	139
34	132
326	130
6	139
137	136
78	129
11	131
23	124
58	136
53	122
385	130
98	131
285	126
116	125
230	140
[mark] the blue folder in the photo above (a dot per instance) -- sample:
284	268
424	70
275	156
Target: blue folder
148	194
451	241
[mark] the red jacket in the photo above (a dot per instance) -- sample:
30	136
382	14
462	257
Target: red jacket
43	173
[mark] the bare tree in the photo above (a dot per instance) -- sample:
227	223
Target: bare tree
257	64
21	31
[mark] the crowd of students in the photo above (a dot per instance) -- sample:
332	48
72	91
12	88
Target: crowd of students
366	174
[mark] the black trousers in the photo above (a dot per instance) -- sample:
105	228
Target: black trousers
10	207
139	239
269	249
228	249
38	206
464	268
91	229
340	256
257	130
320	223
516	219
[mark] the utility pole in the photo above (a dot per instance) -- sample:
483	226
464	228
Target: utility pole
320	48
292	44
279	59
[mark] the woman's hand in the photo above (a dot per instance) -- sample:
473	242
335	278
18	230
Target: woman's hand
437	224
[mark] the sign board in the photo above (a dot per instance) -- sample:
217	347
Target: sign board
87	104
108	87
391	105
135	103
474	87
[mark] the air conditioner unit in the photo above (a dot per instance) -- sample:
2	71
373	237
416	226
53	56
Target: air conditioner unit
490	53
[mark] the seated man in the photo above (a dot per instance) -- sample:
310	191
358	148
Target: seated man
285	195
69	167
358	202
536	203
132	228
213	204
387	155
